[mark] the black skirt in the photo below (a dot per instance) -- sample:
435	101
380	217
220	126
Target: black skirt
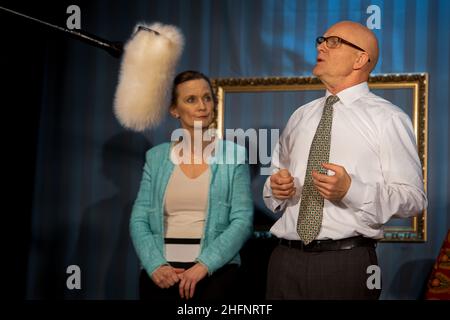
220	286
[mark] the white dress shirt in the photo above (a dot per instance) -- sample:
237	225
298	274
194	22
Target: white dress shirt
374	141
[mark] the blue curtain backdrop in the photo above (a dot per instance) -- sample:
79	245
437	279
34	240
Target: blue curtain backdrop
88	168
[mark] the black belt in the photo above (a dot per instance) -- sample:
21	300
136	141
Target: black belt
182	241
330	245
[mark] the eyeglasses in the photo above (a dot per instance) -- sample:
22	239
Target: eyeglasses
334	42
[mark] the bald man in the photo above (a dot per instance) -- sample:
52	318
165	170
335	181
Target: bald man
345	164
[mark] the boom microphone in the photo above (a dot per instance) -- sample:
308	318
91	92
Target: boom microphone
149	61
147	71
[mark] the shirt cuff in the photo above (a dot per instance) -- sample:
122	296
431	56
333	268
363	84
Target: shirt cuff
277	205
271	202
358	198
355	196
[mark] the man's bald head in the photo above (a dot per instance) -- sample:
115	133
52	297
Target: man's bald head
345	63
357	34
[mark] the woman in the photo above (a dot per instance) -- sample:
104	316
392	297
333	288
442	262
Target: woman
193	213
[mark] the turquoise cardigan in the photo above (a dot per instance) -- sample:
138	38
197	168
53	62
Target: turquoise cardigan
229	219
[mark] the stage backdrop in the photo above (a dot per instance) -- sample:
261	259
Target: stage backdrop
88	168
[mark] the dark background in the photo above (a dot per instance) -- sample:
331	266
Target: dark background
25	46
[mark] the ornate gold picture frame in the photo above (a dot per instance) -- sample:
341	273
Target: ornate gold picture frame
414	87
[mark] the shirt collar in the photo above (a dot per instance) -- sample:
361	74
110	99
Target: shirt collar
349	95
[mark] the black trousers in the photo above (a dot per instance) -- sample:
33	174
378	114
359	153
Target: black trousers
294	274
220	286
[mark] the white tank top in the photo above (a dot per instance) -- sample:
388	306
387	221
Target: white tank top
185	205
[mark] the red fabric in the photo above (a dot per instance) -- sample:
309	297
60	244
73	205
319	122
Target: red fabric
439	282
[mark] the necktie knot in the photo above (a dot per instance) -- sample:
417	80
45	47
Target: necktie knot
331	100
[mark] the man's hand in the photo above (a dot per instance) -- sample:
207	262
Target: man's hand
190	278
166	276
332	188
282	185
